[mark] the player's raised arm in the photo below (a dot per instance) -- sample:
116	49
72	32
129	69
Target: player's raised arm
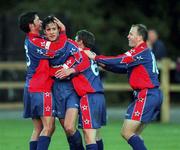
56	45
60	24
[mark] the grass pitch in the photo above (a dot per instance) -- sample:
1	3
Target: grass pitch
15	134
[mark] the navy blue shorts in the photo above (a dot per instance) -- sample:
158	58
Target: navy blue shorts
65	97
92	111
38	104
145	106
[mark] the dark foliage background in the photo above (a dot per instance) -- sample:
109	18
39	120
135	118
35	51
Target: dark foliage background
109	20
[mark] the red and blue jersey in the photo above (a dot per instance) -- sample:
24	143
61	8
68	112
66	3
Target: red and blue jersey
38	51
139	63
70	48
89	80
86	79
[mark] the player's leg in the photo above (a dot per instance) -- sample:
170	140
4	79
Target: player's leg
69	126
70	121
67	104
87	119
99	140
141	128
46	133
28	113
129	128
73	134
92	114
134	118
48	126
102	113
35	134
43	106
128	132
90	139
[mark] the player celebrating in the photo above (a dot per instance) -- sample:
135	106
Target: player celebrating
92	103
140	65
38	102
66	99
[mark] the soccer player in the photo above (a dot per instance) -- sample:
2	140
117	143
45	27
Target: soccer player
89	87
38	101
140	65
66	99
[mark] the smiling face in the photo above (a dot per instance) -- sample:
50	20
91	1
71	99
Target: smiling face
37	23
133	37
52	31
36	26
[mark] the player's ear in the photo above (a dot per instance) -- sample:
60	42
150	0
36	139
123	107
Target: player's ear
31	25
59	29
140	38
81	41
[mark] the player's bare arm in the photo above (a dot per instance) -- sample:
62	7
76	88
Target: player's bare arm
63	73
60	24
90	54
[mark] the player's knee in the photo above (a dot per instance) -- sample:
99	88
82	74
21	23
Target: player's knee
70	130
89	139
48	130
37	130
123	134
126	134
53	129
98	138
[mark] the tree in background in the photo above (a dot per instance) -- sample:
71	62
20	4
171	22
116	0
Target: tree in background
111	20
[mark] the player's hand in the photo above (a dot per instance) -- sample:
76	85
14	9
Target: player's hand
90	54
102	65
60	24
64	73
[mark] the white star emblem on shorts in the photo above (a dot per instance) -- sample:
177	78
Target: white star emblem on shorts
141	99
137	113
47	108
84	107
47	94
86	121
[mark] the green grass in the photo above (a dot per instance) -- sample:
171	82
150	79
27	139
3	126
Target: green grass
14	135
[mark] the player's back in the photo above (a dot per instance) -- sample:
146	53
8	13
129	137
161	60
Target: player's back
143	72
88	81
37	78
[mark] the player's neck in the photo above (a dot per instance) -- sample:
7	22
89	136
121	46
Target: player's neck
139	43
34	32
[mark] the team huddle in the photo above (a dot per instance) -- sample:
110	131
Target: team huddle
63	82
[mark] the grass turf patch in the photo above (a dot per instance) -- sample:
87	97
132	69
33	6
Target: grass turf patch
15	134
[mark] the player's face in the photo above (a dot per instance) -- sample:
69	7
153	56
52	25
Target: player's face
79	42
133	37
52	31
37	23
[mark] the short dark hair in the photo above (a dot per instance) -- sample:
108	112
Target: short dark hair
25	19
47	20
142	30
87	37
